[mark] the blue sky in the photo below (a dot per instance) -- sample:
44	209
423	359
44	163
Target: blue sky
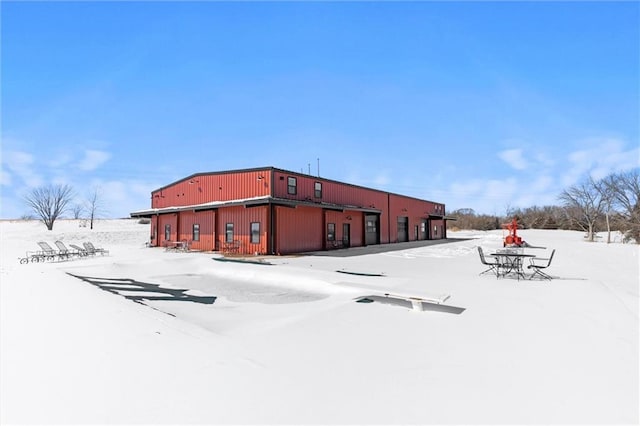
483	105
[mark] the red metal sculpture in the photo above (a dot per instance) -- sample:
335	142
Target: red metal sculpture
512	239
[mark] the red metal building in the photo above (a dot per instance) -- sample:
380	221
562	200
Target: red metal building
273	211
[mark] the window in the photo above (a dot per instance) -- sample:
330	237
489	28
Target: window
196	232
318	190
229	233
167	232
370	226
292	185
331	231
255	232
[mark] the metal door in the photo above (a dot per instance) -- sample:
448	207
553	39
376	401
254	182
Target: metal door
403	229
371	229
346	234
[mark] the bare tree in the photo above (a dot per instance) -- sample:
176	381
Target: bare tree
603	187
94	205
624	188
77	211
584	205
49	202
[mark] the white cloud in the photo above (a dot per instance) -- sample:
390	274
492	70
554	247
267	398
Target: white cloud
542	183
5	178
22	164
61	160
514	158
382	179
93	159
598	158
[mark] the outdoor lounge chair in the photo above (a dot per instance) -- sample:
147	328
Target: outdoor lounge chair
48	252
493	266
64	251
93	250
534	263
81	250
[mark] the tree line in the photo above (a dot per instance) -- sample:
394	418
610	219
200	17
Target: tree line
593	205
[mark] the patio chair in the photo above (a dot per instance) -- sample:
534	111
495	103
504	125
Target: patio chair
48	252
93	249
81	251
493	266
64	251
537	267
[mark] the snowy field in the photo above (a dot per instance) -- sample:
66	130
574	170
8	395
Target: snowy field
284	342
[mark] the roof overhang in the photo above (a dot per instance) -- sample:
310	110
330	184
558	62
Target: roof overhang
440	216
252	202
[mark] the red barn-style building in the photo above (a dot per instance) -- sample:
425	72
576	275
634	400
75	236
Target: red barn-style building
273	211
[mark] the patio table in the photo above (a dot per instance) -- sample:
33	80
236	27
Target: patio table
510	262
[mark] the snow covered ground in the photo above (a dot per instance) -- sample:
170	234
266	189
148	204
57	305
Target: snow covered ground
284	342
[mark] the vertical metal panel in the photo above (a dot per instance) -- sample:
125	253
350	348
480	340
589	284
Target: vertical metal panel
187	219
214	187
332	192
437	229
299	229
154	231
354	218
416	210
242	218
206	220
170	219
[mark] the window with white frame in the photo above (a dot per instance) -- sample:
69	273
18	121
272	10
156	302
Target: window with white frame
292	185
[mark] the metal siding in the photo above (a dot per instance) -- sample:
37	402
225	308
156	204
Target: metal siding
206	220
353	218
299	229
214	187
416	210
332	192
153	240
241	218
167	219
357	228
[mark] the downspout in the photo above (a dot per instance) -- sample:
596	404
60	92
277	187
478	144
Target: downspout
271	230
388	218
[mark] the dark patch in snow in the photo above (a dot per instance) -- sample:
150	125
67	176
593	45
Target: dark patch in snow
364	274
145	291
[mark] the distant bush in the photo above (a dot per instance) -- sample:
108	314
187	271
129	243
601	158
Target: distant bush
144	221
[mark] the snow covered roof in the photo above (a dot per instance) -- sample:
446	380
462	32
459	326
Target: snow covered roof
266	199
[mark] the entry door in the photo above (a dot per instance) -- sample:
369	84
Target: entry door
346	234
403	229
372	229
